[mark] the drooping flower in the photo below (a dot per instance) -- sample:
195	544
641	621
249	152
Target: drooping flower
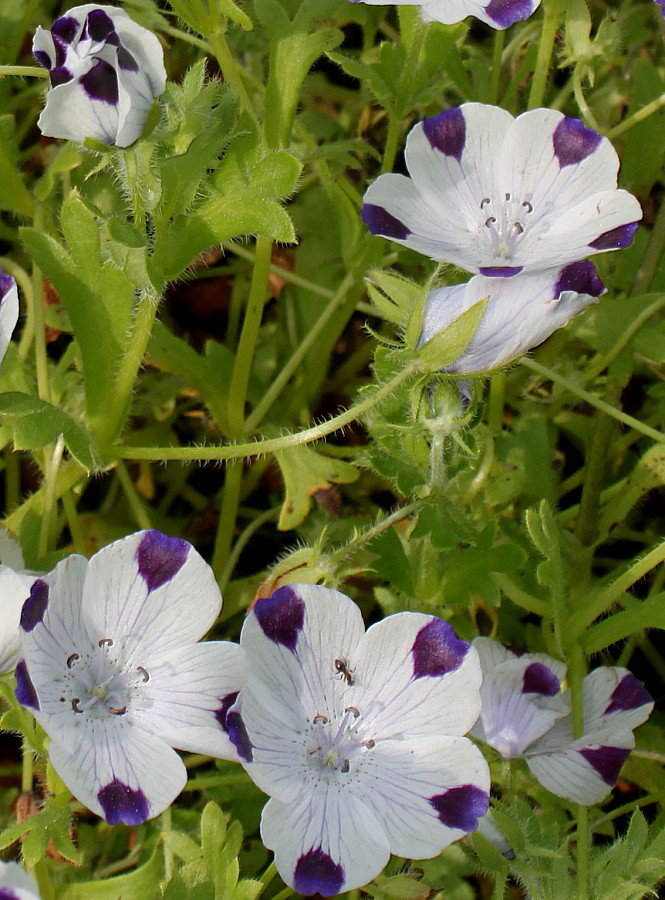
521	312
111	670
497	196
497	14
16	883
356	736
105	74
525	714
8	310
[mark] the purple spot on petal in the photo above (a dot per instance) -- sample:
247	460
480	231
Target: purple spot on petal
580	277
98	25
317	873
538	679
160	558
43	59
221	713
500	271
101	83
617	238
66	28
35	606
380	221
607	761
573	142
235	728
25	689
447	132
437	650
507	12
8	894
461	807
281	616
60	75
122	803
61	48
7	283
630	693
126	60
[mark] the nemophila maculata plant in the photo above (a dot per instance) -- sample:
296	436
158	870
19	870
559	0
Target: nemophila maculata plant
351	312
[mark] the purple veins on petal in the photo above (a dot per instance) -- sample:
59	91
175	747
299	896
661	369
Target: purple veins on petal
25	689
507	12
281	616
580	277
98	25
538	679
461	807
573	142
101	83
317	873
617	238
500	271
35	606
66	28
221	713
160	558
447	132
235	728
122	803
630	693
437	650
380	221
607	761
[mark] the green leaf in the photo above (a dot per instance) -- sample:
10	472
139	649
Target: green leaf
141	884
449	344
646	614
68	158
52	823
14	195
35	424
305	472
394	296
181	845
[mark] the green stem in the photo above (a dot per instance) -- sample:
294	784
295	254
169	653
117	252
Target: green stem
135	503
228	514
41	362
584	107
73	522
576	672
27	770
242	542
71	474
583	851
286	274
545	49
297	357
365	537
109	422
257	448
622	417
25	71
586	527
166	823
602	361
269	875
637	117
497	59
496	402
652	256
230	69
51	475
12	478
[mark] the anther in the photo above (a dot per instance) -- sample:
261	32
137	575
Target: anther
345	766
72	659
370	743
518	228
352	709
313	752
490	221
527	206
507	196
75	705
484	202
106	642
117	711
144	672
320	720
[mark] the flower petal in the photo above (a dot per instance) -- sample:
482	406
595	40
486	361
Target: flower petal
415	677
8	310
426	792
326	844
14	590
120	772
183	701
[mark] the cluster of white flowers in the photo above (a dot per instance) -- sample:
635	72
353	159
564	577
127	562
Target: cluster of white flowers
357	736
519	203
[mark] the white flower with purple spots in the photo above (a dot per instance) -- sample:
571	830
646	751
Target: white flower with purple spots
8	311
497	196
105	74
497	14
16	883
521	312
112	671
15	585
356	736
525	714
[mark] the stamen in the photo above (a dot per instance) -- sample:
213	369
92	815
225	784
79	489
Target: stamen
320	720
484	202
108	642
370	743
345	767
117	711
75	705
144	673
72	659
528	206
352	709
507	196
518	227
489	222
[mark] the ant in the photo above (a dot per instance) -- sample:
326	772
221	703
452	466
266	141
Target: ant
342	668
